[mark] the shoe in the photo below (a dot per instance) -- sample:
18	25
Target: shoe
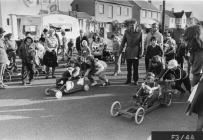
94	83
106	84
24	83
115	74
53	76
47	77
127	82
3	86
135	83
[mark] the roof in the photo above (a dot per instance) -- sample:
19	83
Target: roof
188	14
179	14
119	2
169	13
145	5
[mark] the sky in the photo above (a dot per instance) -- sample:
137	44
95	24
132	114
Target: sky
196	6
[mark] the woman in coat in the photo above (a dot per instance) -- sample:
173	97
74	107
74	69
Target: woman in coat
3	59
50	56
194	38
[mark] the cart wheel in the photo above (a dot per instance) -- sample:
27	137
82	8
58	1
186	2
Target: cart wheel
50	91
139	115
168	99
115	107
58	94
86	87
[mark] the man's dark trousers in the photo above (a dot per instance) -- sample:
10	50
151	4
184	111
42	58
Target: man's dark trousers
132	63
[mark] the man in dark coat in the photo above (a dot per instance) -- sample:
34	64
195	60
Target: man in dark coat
133	38
79	40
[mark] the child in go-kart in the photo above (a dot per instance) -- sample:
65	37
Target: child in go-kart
72	72
149	91
96	67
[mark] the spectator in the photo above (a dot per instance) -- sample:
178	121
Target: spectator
194	38
50	57
116	48
70	47
27	54
154	32
153	50
169	48
181	52
3	59
97	46
11	48
79	41
64	46
133	51
85	50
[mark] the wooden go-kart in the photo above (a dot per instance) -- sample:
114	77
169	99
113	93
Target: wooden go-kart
139	105
67	87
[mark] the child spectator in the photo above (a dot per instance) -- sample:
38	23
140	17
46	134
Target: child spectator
96	68
116	48
153	50
85	50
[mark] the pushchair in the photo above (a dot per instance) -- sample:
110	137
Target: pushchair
11	69
141	104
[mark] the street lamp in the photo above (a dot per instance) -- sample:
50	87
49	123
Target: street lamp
163	16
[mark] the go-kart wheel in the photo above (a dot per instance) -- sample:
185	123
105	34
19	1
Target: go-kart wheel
168	99
86	87
58	94
50	91
139	115
47	92
115	107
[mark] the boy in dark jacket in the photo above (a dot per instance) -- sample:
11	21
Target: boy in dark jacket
27	54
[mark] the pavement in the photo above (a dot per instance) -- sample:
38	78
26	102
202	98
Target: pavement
27	114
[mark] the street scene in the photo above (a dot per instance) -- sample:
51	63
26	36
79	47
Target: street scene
100	69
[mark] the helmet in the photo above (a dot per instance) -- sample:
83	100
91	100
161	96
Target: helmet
172	64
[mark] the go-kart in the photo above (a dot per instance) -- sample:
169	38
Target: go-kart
139	105
67	87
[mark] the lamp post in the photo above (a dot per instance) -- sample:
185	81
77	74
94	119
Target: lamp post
163	16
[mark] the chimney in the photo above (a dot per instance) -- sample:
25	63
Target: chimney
149	1
172	10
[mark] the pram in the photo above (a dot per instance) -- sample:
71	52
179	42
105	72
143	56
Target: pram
139	105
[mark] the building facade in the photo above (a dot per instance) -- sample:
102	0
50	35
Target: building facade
11	12
169	20
104	12
145	12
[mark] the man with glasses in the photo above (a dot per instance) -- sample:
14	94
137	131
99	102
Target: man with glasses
3	59
159	37
133	40
27	54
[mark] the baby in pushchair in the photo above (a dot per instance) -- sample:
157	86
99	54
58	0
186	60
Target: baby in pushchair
149	91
